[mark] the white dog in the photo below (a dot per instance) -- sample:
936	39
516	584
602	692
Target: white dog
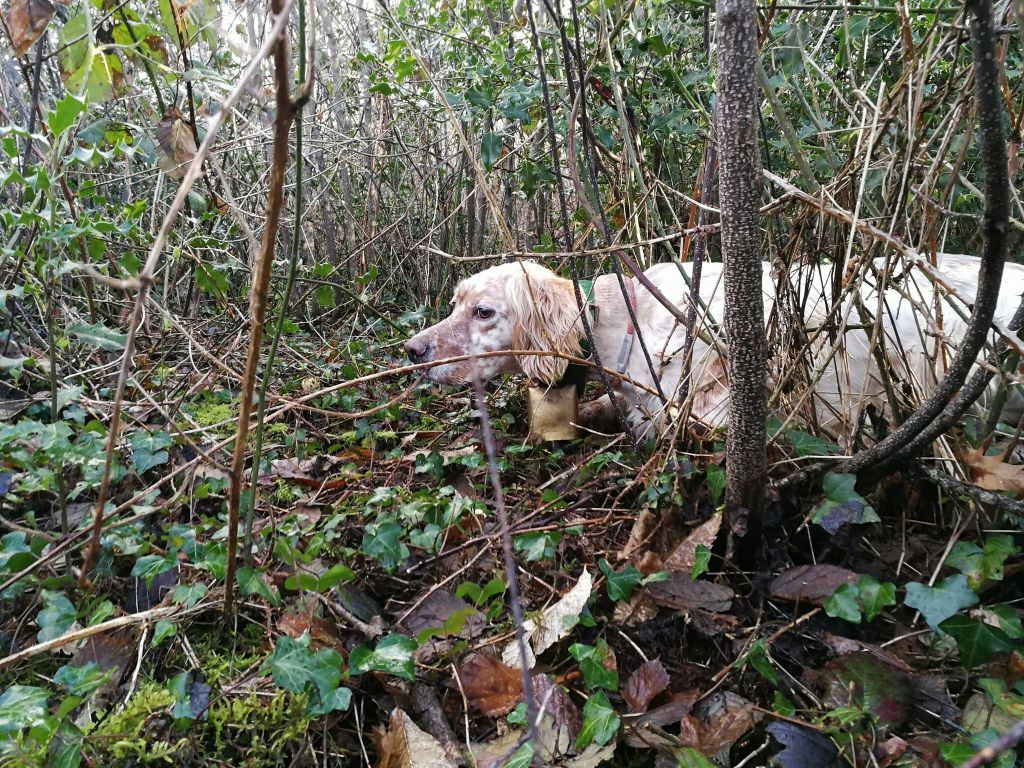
825	354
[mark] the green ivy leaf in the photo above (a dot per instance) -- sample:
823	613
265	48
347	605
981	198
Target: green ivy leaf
874	597
22	706
98	335
163	630
938	603
600	722
810	445
716	483
190	594
291	663
490	150
701	562
392	656
148	449
842	504
593	661
252	582
757	657
65	750
620	585
148	567
57	616
977	641
842	604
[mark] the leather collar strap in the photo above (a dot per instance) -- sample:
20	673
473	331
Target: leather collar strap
627	340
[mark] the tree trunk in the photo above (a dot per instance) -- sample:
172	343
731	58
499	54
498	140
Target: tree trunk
739	192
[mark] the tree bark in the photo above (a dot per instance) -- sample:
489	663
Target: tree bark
739	193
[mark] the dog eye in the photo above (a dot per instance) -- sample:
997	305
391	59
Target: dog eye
484	313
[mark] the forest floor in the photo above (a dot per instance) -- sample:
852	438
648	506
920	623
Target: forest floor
374	623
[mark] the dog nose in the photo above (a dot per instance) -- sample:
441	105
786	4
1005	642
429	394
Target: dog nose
416	349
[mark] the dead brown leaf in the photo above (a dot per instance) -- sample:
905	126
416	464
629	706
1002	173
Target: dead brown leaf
176	142
491	687
322	633
647	681
683	557
724	719
404	745
27	20
992	473
813	583
684	594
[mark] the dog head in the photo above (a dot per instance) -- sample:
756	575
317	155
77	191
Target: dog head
520	306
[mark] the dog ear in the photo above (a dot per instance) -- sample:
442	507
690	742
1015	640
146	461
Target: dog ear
545	318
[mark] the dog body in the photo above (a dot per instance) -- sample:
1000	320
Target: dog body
523	306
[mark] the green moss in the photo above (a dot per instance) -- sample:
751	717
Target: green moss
251	731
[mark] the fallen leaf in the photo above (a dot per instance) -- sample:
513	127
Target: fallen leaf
551	627
492	688
404	745
992	473
865	681
645	731
718	723
647	681
565	718
803	747
176	142
322	633
813	583
683	557
444	613
27	20
684	594
639	536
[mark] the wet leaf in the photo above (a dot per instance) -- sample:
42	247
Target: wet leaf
813	583
721	721
56	618
940	602
22	706
842	504
490	687
647	681
683	593
842	604
868	683
977	641
803	747
600	721
393	656
598	665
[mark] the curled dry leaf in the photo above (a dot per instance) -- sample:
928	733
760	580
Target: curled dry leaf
813	583
322	633
404	745
565	718
551	627
992	473
27	20
647	681
176	142
684	555
492	688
